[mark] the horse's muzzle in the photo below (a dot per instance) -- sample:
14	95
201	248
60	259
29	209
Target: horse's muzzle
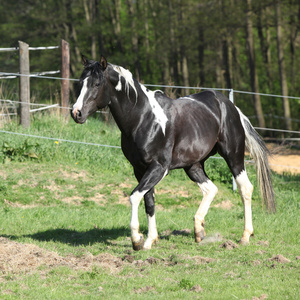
77	116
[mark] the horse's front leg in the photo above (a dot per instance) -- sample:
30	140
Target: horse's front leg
152	176
152	237
137	238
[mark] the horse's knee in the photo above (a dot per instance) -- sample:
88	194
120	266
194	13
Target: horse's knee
150	209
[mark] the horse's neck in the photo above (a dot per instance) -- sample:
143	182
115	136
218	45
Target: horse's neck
126	112
129	102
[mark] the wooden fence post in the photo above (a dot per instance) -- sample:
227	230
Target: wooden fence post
24	90
65	73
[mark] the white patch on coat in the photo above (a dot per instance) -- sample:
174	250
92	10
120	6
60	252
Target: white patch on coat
208	187
242	179
152	232
126	74
245	189
119	85
135	200
209	191
79	103
160	116
189	98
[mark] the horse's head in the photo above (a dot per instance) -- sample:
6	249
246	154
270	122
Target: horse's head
92	95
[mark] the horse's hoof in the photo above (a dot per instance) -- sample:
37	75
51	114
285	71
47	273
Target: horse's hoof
137	246
244	242
245	238
149	243
200	235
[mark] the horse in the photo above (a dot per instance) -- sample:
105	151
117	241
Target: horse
159	134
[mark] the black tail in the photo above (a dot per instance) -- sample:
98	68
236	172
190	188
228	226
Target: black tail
260	153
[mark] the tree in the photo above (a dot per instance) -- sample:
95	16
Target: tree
281	63
252	66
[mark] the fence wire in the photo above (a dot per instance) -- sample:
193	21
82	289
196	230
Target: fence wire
46	106
107	146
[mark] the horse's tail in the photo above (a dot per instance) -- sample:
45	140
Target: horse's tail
260	153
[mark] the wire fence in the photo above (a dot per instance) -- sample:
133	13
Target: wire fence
108	146
46	106
231	91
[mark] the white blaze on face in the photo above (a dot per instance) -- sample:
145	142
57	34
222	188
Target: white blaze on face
128	80
79	103
160	116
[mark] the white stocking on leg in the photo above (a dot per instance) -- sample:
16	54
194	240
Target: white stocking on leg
209	191
245	189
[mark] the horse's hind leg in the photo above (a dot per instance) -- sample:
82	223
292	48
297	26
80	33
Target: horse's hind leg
245	189
237	167
209	190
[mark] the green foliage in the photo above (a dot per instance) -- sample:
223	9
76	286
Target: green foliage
85	251
153	39
217	170
19	153
186	284
68	215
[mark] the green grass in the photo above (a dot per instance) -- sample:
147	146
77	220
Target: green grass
67	213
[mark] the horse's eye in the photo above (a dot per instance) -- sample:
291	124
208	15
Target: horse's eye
97	84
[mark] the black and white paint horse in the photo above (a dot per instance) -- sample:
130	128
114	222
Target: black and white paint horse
160	134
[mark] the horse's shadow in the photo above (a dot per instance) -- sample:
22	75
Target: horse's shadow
77	238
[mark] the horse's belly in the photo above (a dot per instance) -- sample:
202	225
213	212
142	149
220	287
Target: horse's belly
188	152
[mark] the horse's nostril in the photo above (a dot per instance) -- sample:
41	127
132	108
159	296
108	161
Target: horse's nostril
78	113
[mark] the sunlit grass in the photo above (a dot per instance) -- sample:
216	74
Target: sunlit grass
72	202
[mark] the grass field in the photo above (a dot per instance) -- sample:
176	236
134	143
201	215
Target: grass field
64	226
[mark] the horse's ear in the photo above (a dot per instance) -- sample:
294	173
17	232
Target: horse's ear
84	60
103	63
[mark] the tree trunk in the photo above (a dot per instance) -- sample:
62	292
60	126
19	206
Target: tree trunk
226	62
98	22
70	34
90	15
201	56
219	70
252	66
281	63
262	24
147	43
174	50
226	48
185	74
134	38
115	19
184	62
293	36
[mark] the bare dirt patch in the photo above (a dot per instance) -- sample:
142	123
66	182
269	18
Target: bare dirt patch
74	200
144	289
280	259
73	175
17	204
18	258
229	245
181	192
199	260
226	204
284	159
